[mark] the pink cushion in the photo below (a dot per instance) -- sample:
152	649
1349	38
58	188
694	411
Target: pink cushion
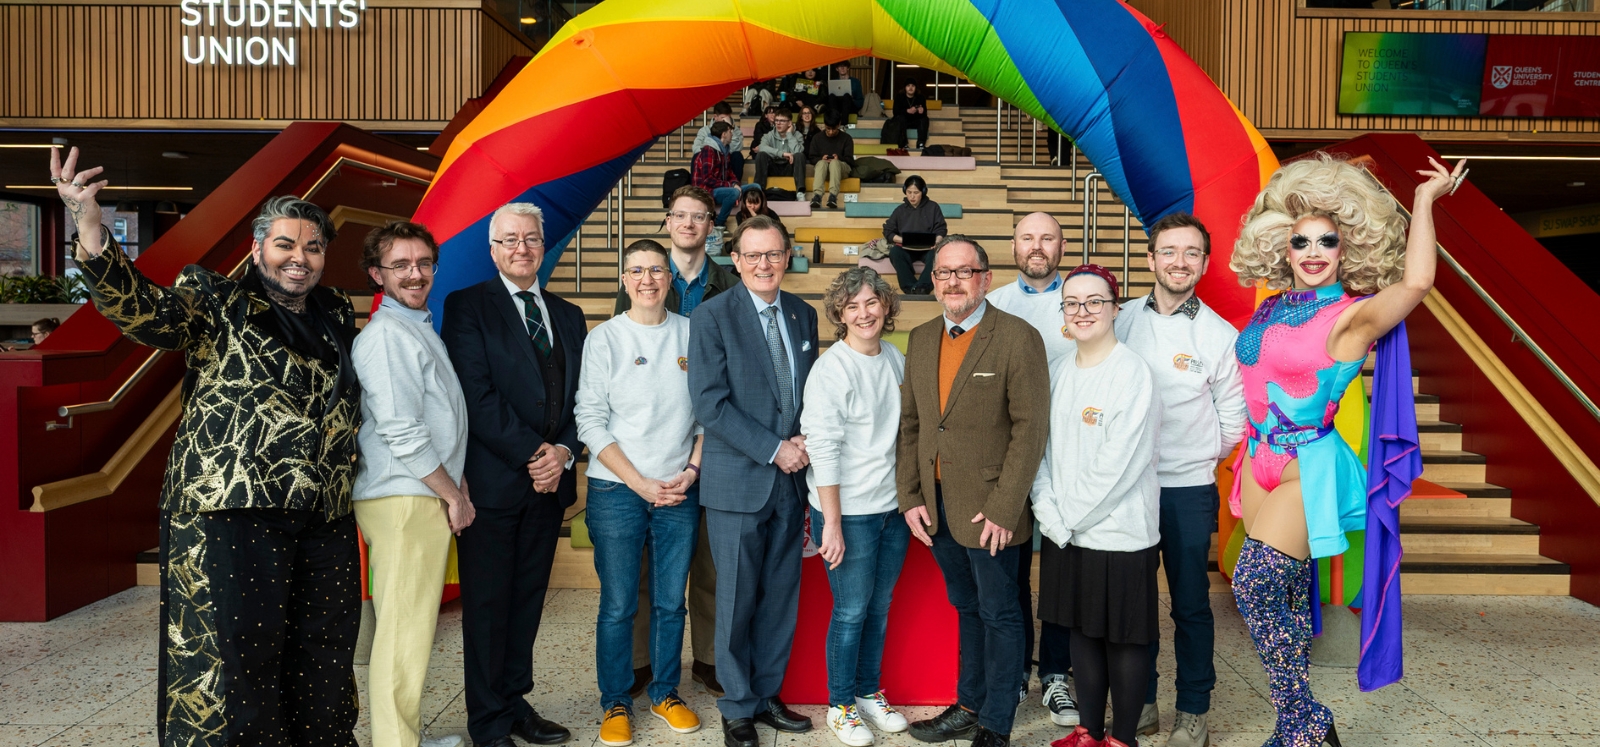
884	266
933	163
789	208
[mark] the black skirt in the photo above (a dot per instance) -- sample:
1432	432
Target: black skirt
1099	593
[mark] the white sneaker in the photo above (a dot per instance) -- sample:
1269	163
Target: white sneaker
883	717
1190	731
448	740
1058	698
847	725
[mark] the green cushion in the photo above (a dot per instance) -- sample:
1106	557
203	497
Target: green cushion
580	530
864	134
898	338
883	209
874	149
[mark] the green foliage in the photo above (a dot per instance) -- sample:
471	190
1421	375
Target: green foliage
42	289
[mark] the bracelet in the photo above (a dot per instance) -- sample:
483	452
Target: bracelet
693	467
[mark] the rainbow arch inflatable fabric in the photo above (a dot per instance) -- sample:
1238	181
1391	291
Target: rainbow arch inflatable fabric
626	72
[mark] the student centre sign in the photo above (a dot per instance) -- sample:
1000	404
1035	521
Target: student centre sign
258	32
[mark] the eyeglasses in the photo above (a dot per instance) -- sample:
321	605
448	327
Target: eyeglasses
965	273
1329	241
1189	255
532	242
775	256
1092	306
403	269
637	273
696	218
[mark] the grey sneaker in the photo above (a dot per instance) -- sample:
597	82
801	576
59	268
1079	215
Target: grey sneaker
1149	720
1190	731
1058	698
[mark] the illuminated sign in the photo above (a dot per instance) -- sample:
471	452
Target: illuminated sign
1502	75
249	32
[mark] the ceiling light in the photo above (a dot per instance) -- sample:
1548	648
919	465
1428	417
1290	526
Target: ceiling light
29	145
135	189
1525	158
167	207
529	20
126	206
174	154
58	141
1575	184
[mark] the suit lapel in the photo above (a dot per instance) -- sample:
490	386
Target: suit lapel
922	361
797	338
980	343
516	328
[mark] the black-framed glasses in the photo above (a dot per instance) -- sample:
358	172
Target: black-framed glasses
776	256
964	273
403	269
636	274
1092	306
532	242
1328	241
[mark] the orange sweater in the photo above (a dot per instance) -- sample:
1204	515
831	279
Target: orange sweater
951	354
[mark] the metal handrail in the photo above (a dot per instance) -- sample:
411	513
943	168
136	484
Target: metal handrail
1090	215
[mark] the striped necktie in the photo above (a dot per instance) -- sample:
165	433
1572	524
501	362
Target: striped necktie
535	321
780	366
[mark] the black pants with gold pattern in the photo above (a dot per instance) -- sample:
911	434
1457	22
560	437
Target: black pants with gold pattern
260	609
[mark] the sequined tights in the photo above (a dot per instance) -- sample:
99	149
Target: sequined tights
1272	590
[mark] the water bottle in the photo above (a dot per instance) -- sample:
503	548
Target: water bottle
816	250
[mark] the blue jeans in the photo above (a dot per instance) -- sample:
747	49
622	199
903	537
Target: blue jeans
863	587
622	525
1188	517
983	589
727	198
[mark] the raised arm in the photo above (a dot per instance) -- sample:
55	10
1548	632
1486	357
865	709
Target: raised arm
1373	318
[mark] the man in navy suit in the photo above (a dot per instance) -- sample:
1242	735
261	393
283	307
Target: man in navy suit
750	350
517	350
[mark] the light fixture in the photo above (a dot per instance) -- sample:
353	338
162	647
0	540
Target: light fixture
58	141
167	207
178	154
1525	158
29	145
1575	184
135	189
529	20
126	206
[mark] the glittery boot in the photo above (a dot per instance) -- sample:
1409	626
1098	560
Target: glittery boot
1272	591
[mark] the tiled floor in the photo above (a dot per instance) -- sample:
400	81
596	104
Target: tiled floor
1483	671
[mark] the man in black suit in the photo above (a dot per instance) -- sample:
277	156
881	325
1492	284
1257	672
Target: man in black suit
516	350
750	351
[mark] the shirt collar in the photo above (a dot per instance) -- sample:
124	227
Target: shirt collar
421	316
761	303
1189	308
514	290
677	277
971	320
1028	290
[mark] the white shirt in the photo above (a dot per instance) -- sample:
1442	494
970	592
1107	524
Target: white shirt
538	300
1041	310
1202	392
1097	486
852	426
633	391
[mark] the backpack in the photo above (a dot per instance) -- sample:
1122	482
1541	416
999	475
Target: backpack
874	170
871	105
894	130
938	150
670	182
779	194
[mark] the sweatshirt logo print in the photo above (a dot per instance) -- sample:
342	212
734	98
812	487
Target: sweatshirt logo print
683	363
1091	416
1188	363
640	361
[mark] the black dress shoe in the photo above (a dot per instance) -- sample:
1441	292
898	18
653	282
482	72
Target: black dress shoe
954	723
641	680
985	738
706	675
538	730
739	732
778	716
501	742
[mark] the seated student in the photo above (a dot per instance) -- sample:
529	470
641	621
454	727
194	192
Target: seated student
918	215
781	152
911	108
833	155
759	96
1096	498
851	422
42	328
710	170
805	123
845	105
721	112
763	126
803	88
753	202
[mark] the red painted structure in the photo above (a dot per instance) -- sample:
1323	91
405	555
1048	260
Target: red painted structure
1554	308
60	560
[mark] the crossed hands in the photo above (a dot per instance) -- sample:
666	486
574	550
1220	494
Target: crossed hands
663	493
792	456
546	466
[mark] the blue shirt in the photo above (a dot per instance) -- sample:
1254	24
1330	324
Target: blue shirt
783	331
692	292
971	320
1054	287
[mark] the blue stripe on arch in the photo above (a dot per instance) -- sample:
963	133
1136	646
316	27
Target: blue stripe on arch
464	260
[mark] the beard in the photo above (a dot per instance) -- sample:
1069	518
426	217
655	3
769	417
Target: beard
1161	280
275	287
958	307
1049	268
401	299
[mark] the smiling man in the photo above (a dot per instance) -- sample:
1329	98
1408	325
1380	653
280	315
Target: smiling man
261	596
517	350
1189	348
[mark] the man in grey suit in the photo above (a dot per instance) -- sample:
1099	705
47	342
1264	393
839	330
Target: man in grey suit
750	350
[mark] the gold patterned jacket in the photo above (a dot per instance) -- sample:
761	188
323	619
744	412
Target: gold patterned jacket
263	426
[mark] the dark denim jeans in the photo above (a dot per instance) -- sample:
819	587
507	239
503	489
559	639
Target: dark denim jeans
622	525
863	587
983	589
1188	517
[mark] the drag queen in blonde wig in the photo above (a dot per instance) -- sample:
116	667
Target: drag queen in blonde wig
1334	241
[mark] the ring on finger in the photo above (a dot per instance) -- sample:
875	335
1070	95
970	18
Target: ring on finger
56	180
79	186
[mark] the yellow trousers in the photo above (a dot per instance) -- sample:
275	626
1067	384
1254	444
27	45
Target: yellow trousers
408	545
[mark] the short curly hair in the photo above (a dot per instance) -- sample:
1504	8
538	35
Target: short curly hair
1370	225
847	285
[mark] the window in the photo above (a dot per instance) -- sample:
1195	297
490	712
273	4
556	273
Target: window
19	238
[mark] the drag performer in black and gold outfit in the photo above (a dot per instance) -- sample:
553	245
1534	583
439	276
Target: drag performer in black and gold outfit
260	594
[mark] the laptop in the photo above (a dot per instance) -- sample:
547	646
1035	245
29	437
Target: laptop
915	240
839	88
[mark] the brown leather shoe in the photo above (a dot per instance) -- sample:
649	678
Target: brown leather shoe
706	675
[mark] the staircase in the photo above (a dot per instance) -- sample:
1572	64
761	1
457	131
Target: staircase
1454	545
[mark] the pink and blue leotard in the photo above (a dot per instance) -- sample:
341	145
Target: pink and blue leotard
1292	389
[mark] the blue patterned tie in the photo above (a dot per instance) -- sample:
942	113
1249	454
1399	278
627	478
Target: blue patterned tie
535	321
780	366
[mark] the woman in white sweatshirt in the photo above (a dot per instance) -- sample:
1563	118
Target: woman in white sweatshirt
851	422
1097	499
633	413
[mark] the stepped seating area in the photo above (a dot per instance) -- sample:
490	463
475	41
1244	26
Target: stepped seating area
1459	535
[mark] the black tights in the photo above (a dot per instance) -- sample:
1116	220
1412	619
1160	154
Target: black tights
1123	669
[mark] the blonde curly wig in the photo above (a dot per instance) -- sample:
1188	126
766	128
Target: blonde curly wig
1371	227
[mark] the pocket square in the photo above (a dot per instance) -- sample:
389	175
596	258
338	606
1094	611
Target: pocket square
804	346
978	374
